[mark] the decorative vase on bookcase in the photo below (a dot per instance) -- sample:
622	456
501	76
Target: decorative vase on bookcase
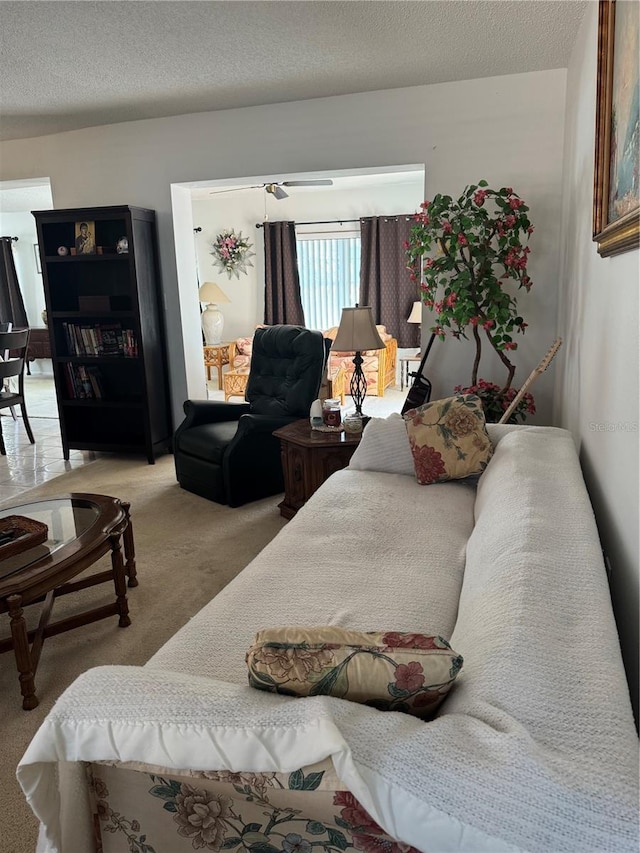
107	335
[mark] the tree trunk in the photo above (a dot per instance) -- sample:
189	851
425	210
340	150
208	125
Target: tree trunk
503	358
476	361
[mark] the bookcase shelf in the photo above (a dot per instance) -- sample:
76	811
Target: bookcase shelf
104	311
106	404
85	259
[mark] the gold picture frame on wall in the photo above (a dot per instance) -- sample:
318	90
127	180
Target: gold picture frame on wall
616	197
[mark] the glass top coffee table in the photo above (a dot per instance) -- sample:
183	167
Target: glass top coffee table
82	528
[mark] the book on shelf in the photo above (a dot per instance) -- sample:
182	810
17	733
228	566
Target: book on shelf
83	382
100	339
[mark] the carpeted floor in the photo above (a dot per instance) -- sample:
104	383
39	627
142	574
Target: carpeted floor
187	550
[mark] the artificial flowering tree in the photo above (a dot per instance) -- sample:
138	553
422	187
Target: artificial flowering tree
461	253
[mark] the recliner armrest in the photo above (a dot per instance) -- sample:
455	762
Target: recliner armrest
250	423
209	411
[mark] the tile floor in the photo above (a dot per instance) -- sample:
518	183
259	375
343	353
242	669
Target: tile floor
27	465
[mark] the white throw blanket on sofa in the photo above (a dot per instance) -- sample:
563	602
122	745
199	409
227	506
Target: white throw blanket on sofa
534	750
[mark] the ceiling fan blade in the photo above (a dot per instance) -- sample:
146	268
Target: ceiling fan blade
275	189
235	189
320	183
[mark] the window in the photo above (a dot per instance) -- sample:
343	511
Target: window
329	270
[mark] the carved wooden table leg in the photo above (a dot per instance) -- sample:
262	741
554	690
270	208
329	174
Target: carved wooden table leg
119	580
129	547
22	653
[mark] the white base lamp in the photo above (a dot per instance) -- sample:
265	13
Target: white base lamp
212	318
356	333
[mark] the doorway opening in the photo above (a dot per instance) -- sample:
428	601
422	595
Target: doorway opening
204	209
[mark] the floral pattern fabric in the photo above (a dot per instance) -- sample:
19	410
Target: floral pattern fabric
156	810
379	372
390	671
448	439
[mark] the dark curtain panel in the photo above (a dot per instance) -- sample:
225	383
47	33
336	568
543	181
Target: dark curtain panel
282	302
384	278
12	308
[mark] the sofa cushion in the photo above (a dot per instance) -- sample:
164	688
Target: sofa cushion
391	671
384	446
368	551
448	439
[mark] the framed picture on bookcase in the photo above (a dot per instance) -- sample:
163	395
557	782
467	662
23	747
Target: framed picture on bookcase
85	234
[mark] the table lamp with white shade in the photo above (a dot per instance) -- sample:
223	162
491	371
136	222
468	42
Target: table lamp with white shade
416	317
356	333
212	319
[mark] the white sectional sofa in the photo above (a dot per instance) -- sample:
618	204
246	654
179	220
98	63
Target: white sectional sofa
533	750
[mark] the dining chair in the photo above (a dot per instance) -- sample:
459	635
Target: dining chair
13	349
6	327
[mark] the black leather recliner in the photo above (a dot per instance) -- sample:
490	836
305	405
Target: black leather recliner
226	452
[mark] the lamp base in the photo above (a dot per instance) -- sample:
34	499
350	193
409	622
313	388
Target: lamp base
358	384
212	324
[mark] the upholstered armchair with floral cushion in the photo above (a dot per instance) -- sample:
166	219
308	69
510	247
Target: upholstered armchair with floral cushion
240	352
379	366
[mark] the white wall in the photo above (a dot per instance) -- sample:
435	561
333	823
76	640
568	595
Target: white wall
23	226
243	209
505	129
597	380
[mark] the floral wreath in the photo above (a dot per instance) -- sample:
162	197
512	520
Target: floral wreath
231	253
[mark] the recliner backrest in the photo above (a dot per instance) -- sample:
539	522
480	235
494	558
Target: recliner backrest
287	363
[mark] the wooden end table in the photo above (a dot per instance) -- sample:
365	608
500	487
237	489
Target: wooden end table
405	361
216	355
82	528
235	382
309	457
39	345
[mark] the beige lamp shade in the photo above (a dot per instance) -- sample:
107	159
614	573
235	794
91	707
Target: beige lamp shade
416	313
357	331
211	292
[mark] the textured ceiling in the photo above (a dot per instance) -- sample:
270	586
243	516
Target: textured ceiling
66	65
27	195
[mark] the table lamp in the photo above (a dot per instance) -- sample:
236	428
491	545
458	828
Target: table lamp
212	319
416	317
357	332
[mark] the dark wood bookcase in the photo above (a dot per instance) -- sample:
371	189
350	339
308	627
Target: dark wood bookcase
104	313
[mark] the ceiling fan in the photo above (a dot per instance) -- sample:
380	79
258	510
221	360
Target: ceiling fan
275	187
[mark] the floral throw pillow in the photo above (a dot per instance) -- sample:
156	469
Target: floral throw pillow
388	670
448	439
